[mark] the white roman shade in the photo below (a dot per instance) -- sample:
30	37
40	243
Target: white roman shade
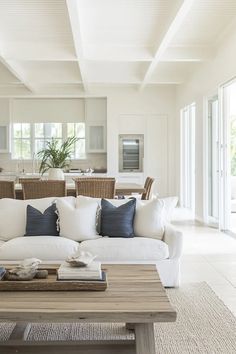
48	110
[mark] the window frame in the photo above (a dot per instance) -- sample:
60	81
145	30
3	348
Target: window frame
21	138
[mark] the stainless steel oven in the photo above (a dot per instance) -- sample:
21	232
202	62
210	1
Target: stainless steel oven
131	152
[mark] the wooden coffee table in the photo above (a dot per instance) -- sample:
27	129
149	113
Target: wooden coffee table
134	296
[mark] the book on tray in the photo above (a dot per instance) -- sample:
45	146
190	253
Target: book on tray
90	272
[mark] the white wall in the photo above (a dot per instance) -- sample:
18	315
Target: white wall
203	84
154	109
142	107
47	110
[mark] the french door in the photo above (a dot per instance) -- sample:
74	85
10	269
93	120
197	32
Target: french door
227	211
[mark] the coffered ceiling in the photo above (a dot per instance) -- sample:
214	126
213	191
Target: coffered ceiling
70	46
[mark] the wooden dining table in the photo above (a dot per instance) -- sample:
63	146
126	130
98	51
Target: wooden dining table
120	189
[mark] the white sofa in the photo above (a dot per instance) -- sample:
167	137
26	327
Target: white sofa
14	246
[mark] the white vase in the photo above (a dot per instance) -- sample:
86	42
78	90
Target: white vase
55	174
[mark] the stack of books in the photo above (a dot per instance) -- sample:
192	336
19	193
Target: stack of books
90	272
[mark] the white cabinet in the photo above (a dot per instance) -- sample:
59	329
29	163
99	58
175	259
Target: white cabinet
96	137
96	125
4	138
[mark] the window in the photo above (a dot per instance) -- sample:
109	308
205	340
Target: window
44	132
21	147
28	139
78	130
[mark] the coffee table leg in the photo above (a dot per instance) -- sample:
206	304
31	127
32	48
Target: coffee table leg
144	338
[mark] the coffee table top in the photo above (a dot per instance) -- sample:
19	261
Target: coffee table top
134	294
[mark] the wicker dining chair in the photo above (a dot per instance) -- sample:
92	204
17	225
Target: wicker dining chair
28	179
43	189
95	187
7	189
148	186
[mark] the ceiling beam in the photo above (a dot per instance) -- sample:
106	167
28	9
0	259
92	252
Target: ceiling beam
14	70
166	40
187	54
73	11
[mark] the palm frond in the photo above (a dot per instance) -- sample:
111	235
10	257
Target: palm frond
56	155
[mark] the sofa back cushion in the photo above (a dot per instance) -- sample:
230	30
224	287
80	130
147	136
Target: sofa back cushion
13	214
78	222
117	221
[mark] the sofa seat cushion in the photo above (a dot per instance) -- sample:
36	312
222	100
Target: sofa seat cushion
46	248
126	249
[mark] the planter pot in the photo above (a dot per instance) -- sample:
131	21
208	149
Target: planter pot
55	174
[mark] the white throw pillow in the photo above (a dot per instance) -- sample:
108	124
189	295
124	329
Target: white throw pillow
78	223
13	214
148	220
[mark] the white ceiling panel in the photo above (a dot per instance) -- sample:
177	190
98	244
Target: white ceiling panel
205	22
100	72
124	22
50	72
32	22
55	46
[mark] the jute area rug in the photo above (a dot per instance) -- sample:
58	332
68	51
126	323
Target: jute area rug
204	325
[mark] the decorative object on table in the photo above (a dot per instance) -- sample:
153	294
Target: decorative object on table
26	270
91	272
80	259
55	157
2	272
51	283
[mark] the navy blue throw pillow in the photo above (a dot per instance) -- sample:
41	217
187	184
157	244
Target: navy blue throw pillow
41	224
117	221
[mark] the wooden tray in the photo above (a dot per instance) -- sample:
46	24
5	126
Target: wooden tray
52	284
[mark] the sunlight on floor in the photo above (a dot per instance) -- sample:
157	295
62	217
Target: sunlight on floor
210	256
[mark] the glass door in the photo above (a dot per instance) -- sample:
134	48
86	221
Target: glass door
228	157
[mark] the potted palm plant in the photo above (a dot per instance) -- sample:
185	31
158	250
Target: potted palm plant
55	157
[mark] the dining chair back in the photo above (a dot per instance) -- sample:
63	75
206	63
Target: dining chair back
148	186
43	189
7	189
95	187
28	179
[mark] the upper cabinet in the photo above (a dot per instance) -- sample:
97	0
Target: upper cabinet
96	137
4	138
96	125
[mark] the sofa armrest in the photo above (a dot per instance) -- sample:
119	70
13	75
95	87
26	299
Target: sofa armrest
174	240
